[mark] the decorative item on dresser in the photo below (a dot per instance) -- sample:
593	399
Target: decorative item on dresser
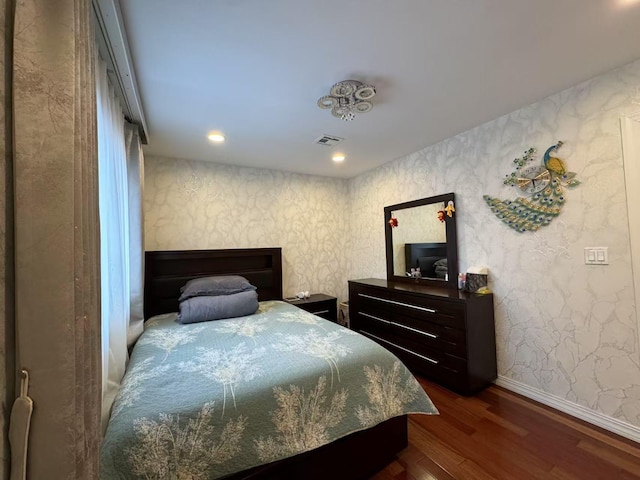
444	334
319	304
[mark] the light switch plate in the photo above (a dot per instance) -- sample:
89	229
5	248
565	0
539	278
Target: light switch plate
596	255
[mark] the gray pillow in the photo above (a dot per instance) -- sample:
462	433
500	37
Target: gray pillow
216	285
205	308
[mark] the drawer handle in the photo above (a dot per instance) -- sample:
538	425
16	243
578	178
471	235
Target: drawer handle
375	318
321	311
416	307
435	362
428	334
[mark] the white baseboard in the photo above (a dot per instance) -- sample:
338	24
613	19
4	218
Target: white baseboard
583	413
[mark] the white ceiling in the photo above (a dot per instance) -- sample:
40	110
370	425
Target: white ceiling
254	69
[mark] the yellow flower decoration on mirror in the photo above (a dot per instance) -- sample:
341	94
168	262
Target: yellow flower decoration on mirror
450	209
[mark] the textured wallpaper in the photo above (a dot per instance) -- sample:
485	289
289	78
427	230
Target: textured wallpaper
200	205
563	327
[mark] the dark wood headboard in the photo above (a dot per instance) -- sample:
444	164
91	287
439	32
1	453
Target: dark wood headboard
167	271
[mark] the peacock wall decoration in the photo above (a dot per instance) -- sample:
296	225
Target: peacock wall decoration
541	188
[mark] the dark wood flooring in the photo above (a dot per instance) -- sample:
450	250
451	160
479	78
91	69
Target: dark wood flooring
500	435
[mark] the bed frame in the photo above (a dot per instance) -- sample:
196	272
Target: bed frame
354	457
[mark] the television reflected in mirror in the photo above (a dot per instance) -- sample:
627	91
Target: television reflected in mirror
421	243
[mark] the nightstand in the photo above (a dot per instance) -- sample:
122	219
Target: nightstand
319	304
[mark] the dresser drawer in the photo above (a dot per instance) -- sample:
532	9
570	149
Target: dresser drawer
374	303
375	307
423	357
437	311
451	340
430	334
378	324
449	371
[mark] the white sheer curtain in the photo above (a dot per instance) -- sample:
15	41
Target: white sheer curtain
121	252
135	171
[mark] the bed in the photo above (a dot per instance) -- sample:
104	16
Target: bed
279	394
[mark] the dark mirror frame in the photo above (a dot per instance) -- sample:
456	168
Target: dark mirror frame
452	243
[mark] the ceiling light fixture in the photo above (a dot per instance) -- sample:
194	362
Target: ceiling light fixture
216	137
338	157
347	98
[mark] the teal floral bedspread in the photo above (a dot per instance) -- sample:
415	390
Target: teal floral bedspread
205	400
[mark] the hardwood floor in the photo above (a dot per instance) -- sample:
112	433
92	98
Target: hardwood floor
500	435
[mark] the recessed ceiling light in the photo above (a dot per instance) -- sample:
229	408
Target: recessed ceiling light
216	137
338	157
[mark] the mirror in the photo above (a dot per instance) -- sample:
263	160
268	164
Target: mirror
419	241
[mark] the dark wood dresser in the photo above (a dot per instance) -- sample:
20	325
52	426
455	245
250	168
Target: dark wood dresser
446	335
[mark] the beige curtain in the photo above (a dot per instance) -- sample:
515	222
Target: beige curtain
56	284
